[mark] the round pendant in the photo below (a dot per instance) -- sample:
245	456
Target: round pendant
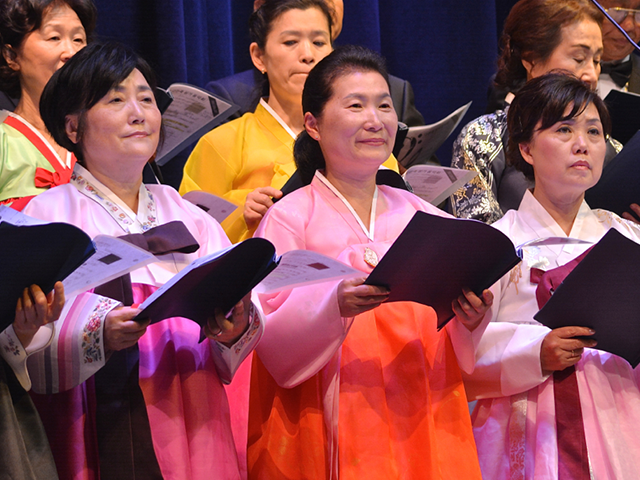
370	257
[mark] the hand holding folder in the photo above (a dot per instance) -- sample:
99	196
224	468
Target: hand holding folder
40	255
601	293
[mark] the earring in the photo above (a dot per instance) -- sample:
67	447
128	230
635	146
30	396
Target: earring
263	71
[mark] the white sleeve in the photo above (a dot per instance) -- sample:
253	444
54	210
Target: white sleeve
228	359
16	355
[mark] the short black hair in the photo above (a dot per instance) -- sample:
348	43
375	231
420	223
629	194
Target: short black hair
544	100
21	17
81	82
318	90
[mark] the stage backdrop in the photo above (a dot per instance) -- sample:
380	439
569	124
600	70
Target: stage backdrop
446	49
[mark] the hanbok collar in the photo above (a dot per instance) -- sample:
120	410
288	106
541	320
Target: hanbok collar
370	232
38	140
277	117
549	234
129	221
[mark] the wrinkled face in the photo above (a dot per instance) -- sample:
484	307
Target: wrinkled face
45	50
616	46
123	127
357	128
568	156
579	52
298	40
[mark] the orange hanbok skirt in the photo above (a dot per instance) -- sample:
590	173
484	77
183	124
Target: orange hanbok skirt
402	410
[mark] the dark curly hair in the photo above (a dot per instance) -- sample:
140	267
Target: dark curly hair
542	103
81	82
21	17
532	31
318	90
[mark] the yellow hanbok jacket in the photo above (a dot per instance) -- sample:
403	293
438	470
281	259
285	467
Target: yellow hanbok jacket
234	159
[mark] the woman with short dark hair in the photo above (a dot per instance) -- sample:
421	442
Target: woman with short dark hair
549	405
38	37
157	396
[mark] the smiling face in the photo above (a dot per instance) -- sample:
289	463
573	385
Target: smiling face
579	52
120	133
297	41
616	46
45	50
357	128
567	158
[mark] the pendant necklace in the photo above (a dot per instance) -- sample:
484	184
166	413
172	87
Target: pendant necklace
370	257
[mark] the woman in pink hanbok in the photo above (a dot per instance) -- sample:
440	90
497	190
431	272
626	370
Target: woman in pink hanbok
550	406
345	385
154	405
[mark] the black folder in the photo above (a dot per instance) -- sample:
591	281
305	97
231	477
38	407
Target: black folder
40	255
602	293
619	185
624	108
434	258
219	280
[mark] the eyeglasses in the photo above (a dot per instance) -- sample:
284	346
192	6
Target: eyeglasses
620	14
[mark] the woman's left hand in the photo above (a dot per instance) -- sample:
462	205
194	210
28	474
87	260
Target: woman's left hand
470	309
36	309
227	330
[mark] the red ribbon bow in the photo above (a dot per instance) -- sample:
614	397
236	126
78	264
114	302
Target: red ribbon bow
46	179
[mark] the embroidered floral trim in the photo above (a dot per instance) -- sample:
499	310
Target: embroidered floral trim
91	338
89	189
85	186
253	329
11	346
152	220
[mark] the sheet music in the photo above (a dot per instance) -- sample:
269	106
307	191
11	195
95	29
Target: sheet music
216	206
192	113
9	215
423	141
303	267
435	184
113	258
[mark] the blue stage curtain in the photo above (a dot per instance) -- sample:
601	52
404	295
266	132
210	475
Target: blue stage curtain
447	50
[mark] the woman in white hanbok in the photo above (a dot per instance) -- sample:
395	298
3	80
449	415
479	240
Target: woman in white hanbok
525	416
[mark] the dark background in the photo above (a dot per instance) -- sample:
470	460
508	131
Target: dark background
446	49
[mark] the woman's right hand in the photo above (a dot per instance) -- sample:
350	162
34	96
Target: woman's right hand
354	297
561	350
120	330
35	309
257	204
